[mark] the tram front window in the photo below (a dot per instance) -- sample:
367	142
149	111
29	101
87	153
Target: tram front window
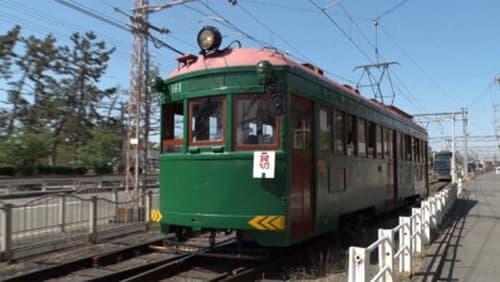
207	121
256	127
173	120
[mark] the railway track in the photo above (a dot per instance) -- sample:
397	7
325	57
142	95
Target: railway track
437	185
128	261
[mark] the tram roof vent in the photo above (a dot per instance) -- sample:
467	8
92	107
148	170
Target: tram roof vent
313	68
187	59
399	111
349	87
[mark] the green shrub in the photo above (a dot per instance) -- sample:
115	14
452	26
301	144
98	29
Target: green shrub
7	170
26	170
61	170
104	169
80	170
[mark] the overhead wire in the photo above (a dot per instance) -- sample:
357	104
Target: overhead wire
230	25
87	11
411	100
351	19
392	9
419	67
481	94
248	13
61	33
339	28
281	6
302	57
123	26
59	21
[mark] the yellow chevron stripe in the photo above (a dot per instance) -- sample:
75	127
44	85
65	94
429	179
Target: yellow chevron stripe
270	223
266	223
278	222
156	215
255	222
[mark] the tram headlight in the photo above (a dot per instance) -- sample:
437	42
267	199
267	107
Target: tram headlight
209	39
157	85
265	72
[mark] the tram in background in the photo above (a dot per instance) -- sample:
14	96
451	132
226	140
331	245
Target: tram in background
442	165
257	143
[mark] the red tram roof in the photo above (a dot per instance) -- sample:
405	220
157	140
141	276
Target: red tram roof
247	57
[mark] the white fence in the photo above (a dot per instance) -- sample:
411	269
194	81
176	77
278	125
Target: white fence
61	220
413	232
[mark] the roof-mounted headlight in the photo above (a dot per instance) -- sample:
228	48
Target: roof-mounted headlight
209	39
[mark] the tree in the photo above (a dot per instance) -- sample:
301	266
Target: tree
7	54
84	65
25	150
33	68
55	89
77	96
102	151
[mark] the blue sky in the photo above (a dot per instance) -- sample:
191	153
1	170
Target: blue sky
454	43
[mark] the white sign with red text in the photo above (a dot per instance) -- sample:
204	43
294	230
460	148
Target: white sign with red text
264	164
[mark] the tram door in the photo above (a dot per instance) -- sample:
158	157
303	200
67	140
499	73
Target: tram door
391	192
396	152
302	193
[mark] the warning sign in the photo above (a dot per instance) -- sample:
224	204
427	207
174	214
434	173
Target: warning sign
263	164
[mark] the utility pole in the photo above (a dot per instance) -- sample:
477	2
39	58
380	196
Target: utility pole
453	151
136	94
465	134
496	119
139	98
425	119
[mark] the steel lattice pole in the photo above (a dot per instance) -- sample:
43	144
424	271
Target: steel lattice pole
136	94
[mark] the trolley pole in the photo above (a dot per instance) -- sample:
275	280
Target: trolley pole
453	152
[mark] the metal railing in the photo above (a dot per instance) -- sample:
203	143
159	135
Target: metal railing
60	220
412	233
25	186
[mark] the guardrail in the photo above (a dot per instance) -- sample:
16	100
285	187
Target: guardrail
26	186
412	233
56	221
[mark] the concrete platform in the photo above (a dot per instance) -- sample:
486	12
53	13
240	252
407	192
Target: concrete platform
468	246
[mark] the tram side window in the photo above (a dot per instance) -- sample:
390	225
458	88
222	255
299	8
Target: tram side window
339	132
351	144
325	130
378	137
402	146
389	141
254	122
414	149
207	121
173	130
385	145
422	151
408	148
371	139
417	149
361	137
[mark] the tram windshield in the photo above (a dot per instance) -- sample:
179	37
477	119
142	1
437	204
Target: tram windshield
256	127
207	120
441	165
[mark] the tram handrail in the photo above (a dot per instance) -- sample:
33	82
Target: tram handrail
413	231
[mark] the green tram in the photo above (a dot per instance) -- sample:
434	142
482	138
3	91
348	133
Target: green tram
326	151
